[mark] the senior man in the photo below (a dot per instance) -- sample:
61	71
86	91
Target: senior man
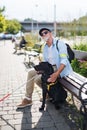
53	56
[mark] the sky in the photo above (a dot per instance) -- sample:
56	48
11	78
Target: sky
44	10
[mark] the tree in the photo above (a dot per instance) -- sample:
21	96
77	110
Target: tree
12	26
2	10
8	26
2	20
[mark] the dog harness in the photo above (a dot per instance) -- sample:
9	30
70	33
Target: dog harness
51	84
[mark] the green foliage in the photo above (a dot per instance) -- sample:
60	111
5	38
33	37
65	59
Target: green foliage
80	67
82	19
2	10
12	26
83	67
31	39
83	72
2	23
2	20
74	28
32	43
81	46
75	65
8	26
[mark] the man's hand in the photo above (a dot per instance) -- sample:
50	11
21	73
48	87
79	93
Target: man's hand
53	77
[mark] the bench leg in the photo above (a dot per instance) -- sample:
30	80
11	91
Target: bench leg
83	112
84	122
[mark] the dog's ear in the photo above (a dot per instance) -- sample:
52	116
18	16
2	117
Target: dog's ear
36	68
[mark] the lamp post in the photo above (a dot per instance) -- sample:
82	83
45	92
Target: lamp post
37	23
32	22
32	25
54	18
37	20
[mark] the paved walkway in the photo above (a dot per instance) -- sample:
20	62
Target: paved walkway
13	74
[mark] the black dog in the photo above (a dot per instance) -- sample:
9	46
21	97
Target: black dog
54	90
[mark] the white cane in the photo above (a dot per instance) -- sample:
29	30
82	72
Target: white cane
8	94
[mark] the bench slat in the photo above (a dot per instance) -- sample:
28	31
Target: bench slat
74	86
75	80
67	85
79	77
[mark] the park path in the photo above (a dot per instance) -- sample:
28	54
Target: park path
13	73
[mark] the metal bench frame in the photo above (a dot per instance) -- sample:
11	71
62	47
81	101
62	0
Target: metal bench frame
77	86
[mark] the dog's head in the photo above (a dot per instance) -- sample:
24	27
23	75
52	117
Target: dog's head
45	69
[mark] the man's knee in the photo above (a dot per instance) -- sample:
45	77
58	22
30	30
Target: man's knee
37	80
31	73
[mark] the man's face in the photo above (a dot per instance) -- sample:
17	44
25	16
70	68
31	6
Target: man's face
45	34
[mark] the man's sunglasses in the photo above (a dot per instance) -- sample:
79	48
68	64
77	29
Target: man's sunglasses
44	33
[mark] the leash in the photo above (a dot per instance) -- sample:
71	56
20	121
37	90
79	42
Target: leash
9	94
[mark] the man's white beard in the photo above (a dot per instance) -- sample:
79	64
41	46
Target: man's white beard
45	39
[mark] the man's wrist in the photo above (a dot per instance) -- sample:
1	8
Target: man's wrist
57	73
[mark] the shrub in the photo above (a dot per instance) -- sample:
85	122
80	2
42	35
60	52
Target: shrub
80	67
81	46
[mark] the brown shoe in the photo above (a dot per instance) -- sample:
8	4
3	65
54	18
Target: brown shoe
25	103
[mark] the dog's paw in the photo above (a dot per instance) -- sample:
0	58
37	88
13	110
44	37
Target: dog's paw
41	109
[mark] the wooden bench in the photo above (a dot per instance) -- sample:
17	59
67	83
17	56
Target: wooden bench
77	86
